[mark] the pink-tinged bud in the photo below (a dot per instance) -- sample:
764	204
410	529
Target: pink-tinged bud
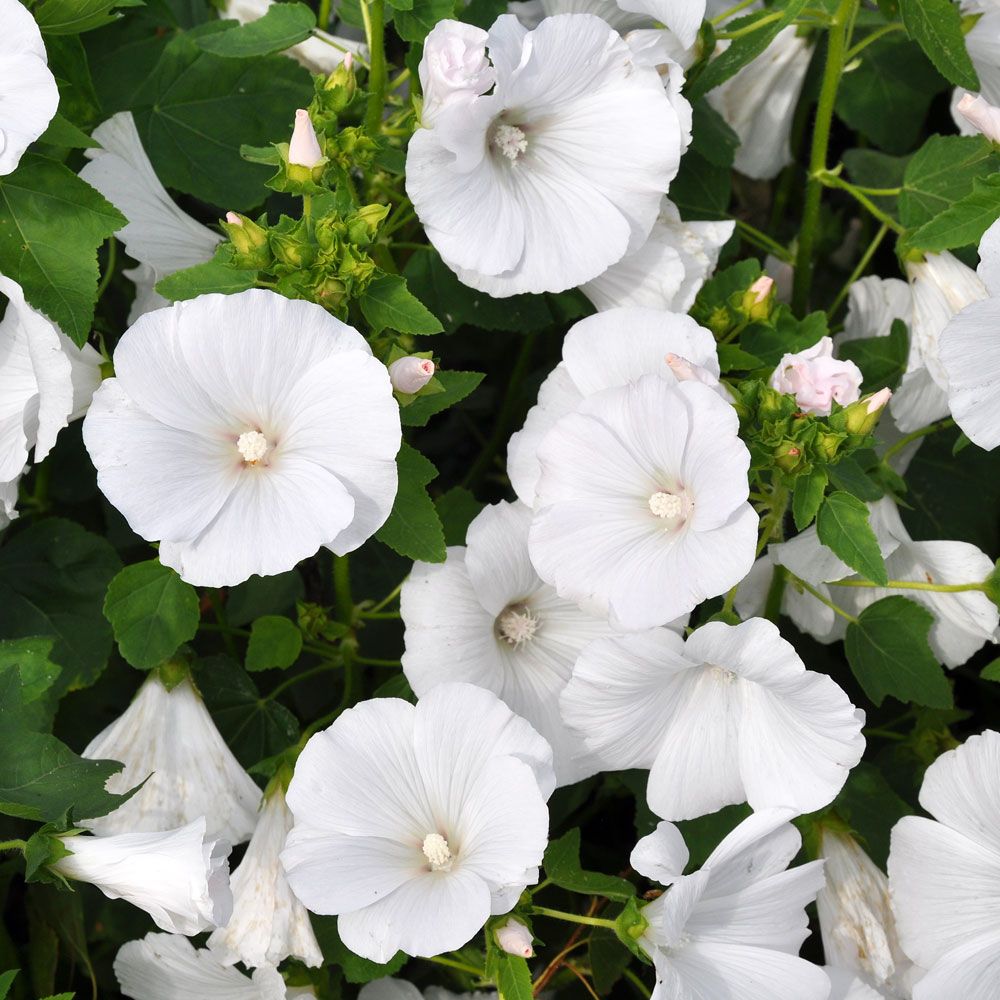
687	371
862	416
816	379
761	288
411	374
877	400
348	63
304	149
515	939
979	113
233	219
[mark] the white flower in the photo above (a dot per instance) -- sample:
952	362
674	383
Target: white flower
733	928
668	270
167	967
970	354
388	988
159	235
574	147
817	379
855	916
30	96
873	304
730	715
411	374
268	923
320	53
169	738
454	66
303	149
8	502
45	382
609	349
414	824
179	877
981	41
983	116
944	876
484	616
848	986
641	508
759	101
515	939
242	448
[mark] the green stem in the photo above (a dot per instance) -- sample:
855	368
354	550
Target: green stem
853	53
285	685
342	599
369	661
775	594
13	845
327	40
939	588
940	425
753	235
450	963
109	268
751	28
730	12
885	734
323	17
859	269
769	525
827	179
572	918
799	582
640	986
388	599
832	72
377	75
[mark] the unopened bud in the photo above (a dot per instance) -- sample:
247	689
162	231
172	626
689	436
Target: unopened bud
233	219
513	937
862	416
761	288
982	115
363	224
687	371
788	456
249	241
759	297
340	86
303	150
410	375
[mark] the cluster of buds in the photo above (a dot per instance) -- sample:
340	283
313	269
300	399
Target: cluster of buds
738	308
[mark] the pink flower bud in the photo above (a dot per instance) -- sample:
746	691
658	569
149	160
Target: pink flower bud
348	61
411	374
515	939
761	288
979	113
233	219
877	400
686	371
816	378
304	149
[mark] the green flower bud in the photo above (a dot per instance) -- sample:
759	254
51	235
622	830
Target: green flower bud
861	417
250	246
363	224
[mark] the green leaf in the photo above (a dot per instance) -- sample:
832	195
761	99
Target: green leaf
356	969
196	109
152	611
608	959
562	866
991	672
882	360
51	224
842	525
275	642
457	385
712	137
513	977
732	357
457	508
701	190
870	168
783	333
716	292
32	658
6	979
868	803
413	528
212	276
890	655
389	304
964	222
936	25
412	25
53	578
847	475
282	26
942	172
808	496
263	595
70	17
63	133
746	48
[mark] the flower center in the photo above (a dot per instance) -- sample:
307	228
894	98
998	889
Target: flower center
666	504
437	852
253	446
509	141
517	624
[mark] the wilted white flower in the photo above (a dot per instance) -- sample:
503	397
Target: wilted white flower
454	67
45	382
168	967
8	502
268	923
484	616
609	349
243	449
30	95
415	823
984	51
817	379
944	876
733	928
848	986
668	270
303	149
730	715
159	235
179	877
411	374
981	115
515	939
641	510
575	145
759	101
169	738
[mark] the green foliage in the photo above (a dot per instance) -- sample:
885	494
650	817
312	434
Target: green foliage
937	26
413	19
457	508
32	659
213	276
562	867
807	497
964	221
275	641
355	968
413	528
703	185
282	26
869	804
456	386
842	525
882	360
70	17
608	959
388	303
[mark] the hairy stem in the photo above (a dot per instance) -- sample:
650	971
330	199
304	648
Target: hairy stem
377	75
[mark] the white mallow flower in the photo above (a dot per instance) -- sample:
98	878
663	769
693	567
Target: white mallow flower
28	88
609	349
454	67
159	235
983	116
758	104
855	917
243	448
45	382
969	353
668	270
574	145
179	877
641	510
817	379
483	616
388	988
730	715
415	823
944	875
733	928
268	923
320	53
169	967
169	738
848	986
873	304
